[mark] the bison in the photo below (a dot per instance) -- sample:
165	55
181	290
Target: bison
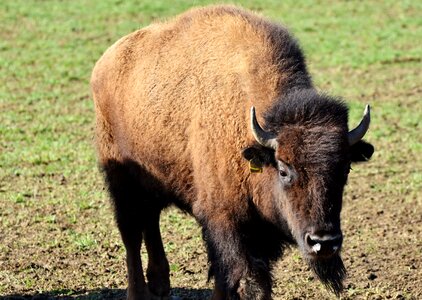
215	112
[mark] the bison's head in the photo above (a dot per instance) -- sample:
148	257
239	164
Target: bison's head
308	150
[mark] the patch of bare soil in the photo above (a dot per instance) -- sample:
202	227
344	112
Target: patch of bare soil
381	252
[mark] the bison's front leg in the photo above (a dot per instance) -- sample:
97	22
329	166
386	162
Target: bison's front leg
237	274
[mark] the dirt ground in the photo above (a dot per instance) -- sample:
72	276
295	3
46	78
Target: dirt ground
385	266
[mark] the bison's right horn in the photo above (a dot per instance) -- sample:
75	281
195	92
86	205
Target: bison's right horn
266	139
357	134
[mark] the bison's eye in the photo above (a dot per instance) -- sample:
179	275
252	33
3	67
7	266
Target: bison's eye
283	173
286	172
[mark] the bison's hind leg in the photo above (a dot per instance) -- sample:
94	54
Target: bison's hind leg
137	215
158	272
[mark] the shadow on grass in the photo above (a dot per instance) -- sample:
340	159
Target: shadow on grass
111	294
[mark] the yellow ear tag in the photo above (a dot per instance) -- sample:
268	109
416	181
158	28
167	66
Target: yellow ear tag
254	167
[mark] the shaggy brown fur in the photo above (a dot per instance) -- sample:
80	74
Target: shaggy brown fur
172	107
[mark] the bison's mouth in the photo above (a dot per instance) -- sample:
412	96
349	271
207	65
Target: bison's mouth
330	271
322	254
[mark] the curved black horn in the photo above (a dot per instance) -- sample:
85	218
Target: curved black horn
266	139
358	133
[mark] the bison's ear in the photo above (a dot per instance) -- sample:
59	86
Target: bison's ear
259	154
361	151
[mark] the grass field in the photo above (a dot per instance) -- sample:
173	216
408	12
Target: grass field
57	235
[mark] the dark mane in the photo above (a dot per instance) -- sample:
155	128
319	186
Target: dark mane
288	55
308	108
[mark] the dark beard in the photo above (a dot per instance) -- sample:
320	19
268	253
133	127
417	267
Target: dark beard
330	271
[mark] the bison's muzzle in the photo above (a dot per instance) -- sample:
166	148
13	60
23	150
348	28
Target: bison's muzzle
322	245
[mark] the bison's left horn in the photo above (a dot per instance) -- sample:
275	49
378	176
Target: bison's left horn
358	133
266	139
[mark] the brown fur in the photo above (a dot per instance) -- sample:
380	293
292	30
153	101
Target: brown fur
172	107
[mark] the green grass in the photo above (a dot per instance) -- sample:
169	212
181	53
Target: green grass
53	208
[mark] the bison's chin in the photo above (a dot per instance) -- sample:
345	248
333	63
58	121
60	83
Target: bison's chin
330	271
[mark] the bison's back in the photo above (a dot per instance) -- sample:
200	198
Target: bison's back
174	97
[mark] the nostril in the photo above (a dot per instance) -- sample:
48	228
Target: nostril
310	240
313	243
